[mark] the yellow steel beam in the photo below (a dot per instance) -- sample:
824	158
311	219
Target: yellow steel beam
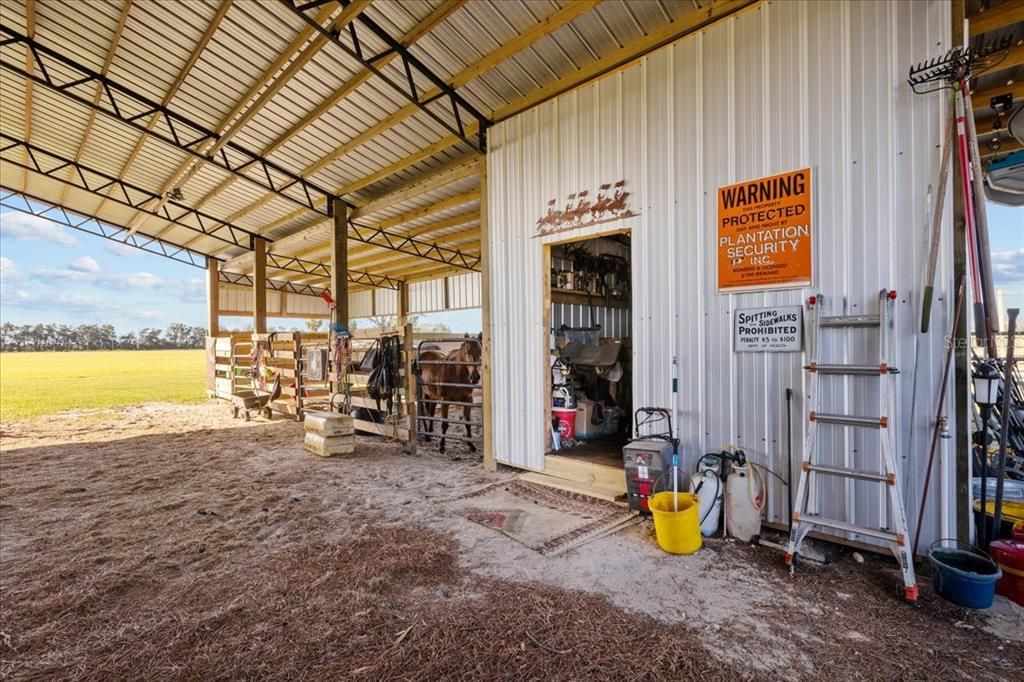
997	17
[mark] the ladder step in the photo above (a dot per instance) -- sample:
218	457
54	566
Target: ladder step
849	420
850	370
849	473
822	522
850	321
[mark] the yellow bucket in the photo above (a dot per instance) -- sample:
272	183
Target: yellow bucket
678	532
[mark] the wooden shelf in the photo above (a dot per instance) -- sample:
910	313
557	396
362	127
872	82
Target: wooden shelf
573	297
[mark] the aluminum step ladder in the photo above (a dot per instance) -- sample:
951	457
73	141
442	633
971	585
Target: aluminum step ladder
803	520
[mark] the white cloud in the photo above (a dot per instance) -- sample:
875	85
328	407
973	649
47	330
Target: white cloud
123	281
131	280
101	307
9	271
25	227
1008	266
149	314
49	274
85	264
121	249
15	296
193	290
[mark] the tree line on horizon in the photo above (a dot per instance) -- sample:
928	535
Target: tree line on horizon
62	337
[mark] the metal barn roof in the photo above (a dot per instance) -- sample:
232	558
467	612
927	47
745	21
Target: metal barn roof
193	127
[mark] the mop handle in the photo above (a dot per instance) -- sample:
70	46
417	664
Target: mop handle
675	480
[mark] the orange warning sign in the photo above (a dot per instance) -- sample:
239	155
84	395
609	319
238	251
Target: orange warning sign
765	232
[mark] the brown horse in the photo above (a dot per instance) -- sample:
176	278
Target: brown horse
463	371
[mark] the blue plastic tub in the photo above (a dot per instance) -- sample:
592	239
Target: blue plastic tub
964	575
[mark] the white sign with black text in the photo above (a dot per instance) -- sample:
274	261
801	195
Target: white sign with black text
778	329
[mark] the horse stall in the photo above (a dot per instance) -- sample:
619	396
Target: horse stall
240	362
448	380
382	411
227	363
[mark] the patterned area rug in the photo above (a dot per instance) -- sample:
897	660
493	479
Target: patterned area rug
545	519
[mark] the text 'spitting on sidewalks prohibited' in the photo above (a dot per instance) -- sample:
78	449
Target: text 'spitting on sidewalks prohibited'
771	330
765	233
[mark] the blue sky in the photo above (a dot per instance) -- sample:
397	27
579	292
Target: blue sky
1006	237
53	274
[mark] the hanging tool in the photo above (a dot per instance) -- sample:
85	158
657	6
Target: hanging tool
789	454
1004	418
954	70
990	316
967	189
804	520
937	215
939	416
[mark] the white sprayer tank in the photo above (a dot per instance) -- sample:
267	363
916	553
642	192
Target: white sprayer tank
744	499
708	488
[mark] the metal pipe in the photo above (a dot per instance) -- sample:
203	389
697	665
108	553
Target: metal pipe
938	415
1004	418
448	384
450	402
448	362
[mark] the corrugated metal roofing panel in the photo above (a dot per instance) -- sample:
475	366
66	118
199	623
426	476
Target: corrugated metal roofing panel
13	14
784	86
78	29
249	40
157	41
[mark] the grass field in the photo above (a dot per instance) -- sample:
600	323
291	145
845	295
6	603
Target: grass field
32	384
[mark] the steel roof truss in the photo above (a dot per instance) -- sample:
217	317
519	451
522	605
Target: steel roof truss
133	196
410	245
129	107
317	269
100	228
275	284
458	107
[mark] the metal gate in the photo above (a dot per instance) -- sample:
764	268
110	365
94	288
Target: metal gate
448	378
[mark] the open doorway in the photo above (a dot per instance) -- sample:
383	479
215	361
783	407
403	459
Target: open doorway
589	358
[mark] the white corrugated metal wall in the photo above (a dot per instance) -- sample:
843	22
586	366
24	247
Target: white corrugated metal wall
783	86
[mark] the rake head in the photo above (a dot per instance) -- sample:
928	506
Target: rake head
957	64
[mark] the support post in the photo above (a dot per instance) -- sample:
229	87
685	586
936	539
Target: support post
962	357
485	305
412	406
259	286
403	304
339	260
212	297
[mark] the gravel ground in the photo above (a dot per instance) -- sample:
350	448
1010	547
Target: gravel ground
169	542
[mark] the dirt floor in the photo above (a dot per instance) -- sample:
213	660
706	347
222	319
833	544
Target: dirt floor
168	541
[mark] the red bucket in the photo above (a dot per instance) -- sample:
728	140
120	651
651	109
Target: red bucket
566	422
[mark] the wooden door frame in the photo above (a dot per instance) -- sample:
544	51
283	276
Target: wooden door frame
569	238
